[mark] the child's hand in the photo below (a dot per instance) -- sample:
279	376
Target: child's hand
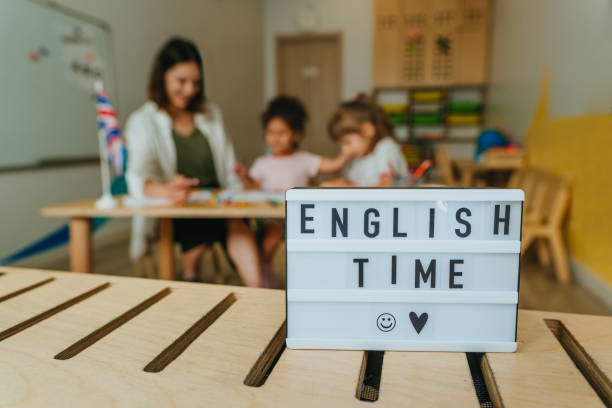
346	152
332	165
241	170
386	179
243	174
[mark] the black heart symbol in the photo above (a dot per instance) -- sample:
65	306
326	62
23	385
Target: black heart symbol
418	321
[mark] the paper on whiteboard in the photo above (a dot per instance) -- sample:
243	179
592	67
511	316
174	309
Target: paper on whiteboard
82	62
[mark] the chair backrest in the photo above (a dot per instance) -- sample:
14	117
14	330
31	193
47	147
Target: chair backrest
556	201
445	166
525	179
516	178
539	196
546	195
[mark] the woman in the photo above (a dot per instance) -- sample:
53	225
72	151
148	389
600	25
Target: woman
177	141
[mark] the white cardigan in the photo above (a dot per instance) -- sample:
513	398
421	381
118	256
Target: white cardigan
152	156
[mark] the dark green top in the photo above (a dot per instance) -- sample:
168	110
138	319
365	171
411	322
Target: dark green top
194	158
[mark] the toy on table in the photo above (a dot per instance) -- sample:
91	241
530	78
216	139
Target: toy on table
493	138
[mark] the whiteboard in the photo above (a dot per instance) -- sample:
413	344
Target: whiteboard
49	59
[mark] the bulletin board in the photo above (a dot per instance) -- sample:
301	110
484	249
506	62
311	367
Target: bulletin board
50	58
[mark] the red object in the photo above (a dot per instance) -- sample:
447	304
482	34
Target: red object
421	169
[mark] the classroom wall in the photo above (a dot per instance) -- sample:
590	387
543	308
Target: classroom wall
353	18
233	64
551	87
570	38
25	192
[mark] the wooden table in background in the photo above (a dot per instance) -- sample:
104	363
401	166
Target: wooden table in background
94	340
469	168
82	213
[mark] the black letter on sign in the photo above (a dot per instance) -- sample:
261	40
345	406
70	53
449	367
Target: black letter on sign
453	273
393	269
396	233
304	218
468	227
505	220
431	271
341	223
432	219
366	220
360	261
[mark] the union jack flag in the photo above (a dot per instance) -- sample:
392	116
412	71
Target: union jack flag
108	125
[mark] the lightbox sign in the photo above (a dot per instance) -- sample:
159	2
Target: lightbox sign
403	269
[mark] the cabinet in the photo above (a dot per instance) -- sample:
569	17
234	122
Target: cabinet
430	43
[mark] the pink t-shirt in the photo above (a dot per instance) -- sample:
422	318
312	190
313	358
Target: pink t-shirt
280	173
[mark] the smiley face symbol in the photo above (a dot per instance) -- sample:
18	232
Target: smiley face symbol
385	322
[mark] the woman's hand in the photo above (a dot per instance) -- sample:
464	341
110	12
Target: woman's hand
178	189
181	181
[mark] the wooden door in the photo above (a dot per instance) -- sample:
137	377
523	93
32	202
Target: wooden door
309	68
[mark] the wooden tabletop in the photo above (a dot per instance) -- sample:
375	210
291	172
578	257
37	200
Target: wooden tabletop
468	164
86	209
494	159
94	340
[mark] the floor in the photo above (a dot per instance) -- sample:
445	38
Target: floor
538	290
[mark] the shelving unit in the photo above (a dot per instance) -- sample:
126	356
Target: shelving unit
427	116
436	48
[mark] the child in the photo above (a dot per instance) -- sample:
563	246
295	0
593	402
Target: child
285	166
363	131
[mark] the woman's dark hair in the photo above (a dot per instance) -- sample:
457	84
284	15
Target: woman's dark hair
350	115
289	109
175	51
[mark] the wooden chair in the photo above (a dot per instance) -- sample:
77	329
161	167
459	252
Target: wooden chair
547	200
445	167
534	184
215	266
447	171
517	178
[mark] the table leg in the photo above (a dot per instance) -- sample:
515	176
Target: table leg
166	249
80	245
467	178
